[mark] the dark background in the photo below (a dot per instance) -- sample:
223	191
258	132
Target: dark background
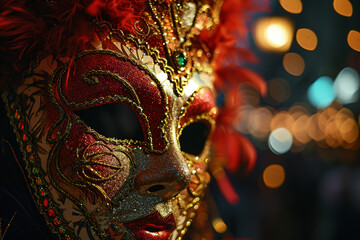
320	197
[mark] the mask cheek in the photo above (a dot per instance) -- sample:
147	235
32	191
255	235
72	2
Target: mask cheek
87	169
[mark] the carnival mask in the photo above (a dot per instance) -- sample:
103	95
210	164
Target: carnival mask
116	137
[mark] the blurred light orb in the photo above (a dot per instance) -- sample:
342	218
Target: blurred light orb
306	38
274	176
292	6
282	119
343	7
274	34
280	141
243	116
279	90
347	85
321	93
259	122
300	129
294	64
219	225
349	130
353	39
314	127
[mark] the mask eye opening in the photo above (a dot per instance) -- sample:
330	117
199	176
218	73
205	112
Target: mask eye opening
113	120
194	136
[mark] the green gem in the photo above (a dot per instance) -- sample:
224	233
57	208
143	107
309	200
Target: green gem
61	230
35	170
181	59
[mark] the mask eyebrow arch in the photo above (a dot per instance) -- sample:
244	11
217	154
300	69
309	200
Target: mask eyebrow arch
201	102
91	79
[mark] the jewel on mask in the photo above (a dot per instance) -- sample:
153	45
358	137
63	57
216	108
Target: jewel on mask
28	148
51	213
34	170
180	59
79	175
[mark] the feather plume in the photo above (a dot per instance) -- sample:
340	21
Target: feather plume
59	28
234	150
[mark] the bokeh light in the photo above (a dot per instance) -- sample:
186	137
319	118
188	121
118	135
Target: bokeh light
347	85
282	119
292	6
332	136
250	95
219	225
274	176
299	129
274	34
349	131
333	127
279	90
243	119
343	7
298	110
353	39
259	122
306	38
321	93
280	140
314	128
294	64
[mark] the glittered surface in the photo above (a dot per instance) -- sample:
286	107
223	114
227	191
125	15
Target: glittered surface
201	102
97	187
152	227
99	77
117	186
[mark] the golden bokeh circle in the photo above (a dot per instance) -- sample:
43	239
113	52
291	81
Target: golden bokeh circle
274	176
294	64
306	38
353	40
292	6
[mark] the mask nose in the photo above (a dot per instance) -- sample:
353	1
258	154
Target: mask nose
165	177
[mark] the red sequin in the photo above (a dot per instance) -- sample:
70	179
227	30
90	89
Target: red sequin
21	126
51	213
46	202
56	221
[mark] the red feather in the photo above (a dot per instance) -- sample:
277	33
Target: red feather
227	189
61	28
235	150
125	12
95	7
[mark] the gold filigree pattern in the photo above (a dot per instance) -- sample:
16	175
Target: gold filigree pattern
79	173
205	117
87	162
134	101
38	184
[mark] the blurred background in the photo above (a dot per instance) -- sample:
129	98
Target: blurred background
306	182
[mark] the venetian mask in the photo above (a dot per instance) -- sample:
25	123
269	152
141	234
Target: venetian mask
116	137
